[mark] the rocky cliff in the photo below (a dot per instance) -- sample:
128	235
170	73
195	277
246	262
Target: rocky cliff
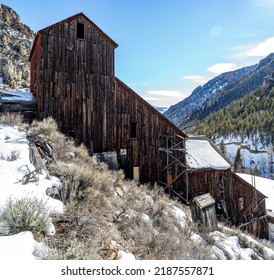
15	44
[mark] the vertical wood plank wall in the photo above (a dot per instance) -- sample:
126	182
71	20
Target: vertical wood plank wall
77	87
205	181
75	83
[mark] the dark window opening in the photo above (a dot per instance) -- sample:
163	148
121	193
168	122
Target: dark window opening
80	30
221	182
133	130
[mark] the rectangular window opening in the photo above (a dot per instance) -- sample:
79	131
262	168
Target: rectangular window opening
221	181
133	130
80	30
241	203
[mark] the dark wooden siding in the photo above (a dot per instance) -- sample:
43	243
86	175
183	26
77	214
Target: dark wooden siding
143	150
75	76
75	84
239	196
78	88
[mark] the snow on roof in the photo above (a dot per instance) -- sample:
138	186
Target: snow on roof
201	154
16	96
263	185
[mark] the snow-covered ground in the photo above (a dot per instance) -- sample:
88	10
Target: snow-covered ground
14	164
23	246
254	153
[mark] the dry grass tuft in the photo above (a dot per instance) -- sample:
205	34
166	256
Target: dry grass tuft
11	118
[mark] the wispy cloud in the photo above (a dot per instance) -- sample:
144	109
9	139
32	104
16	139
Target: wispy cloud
264	3
259	49
219	68
200	80
163	98
147	98
262	49
138	84
170	93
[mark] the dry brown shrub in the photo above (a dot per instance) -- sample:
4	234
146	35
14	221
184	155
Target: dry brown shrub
11	118
102	207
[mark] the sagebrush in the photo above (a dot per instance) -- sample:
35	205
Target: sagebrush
25	214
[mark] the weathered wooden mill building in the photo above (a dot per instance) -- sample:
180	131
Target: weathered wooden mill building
211	172
72	75
73	78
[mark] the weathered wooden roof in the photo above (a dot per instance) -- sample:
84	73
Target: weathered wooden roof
204	200
69	19
202	154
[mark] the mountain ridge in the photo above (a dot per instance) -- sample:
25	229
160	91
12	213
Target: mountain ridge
219	92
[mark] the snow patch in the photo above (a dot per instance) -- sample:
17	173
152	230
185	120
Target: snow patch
125	256
21	246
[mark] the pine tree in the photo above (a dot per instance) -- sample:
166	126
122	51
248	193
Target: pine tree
238	162
222	147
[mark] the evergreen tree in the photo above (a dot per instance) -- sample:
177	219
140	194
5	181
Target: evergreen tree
238	162
222	147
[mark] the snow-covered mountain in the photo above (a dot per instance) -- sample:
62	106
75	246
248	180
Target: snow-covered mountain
15	44
219	92
161	109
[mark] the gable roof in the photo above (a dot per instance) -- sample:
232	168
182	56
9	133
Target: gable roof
69	19
201	153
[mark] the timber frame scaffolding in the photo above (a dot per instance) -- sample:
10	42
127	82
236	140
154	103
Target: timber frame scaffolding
175	152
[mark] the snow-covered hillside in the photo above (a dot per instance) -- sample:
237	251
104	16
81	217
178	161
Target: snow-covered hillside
254	153
15	165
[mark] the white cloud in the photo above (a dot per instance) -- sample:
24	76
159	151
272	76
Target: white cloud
219	68
138	84
151	98
170	93
262	49
196	79
163	98
259	49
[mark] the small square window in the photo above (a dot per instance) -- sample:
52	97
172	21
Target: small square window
80	30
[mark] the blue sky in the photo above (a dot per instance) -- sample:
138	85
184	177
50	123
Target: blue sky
169	47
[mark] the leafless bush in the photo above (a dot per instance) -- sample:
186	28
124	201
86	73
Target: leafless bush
13	155
11	118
